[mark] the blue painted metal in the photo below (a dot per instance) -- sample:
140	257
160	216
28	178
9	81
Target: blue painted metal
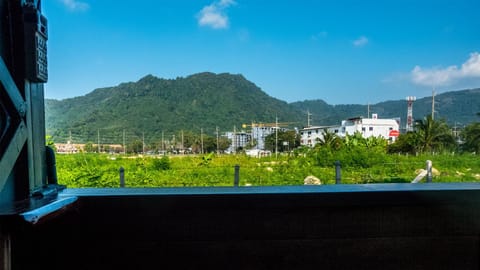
36	215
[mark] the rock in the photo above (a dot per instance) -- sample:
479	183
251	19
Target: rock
311	180
435	172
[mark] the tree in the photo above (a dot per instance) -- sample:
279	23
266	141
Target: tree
209	144
135	146
287	140
433	135
471	138
406	143
192	140
223	143
330	140
89	147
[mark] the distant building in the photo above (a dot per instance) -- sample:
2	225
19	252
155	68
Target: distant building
368	127
259	133
68	148
312	135
239	140
258	153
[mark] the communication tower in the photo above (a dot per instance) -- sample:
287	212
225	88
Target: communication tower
410	100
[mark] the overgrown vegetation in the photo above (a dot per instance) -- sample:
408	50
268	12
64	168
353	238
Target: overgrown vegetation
363	160
358	167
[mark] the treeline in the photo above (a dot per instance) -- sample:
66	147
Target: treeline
429	136
436	136
183	142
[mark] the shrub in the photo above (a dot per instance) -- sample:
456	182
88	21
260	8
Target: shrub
161	164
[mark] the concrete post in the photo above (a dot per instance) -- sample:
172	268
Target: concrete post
338	172
429	171
236	179
122	177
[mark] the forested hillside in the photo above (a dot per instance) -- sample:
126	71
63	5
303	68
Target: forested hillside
456	107
152	106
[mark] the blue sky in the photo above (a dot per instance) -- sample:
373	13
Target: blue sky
339	51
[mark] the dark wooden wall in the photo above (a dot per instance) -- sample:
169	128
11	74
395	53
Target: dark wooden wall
336	227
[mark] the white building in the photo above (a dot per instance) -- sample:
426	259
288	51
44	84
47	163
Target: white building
311	135
368	127
260	132
258	153
238	139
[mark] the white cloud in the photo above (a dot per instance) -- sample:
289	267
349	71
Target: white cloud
471	68
214	15
360	42
75	5
445	76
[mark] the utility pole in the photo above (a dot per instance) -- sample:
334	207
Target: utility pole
183	147
201	138
234	139
163	142
98	140
218	151
368	110
276	137
70	143
143	143
433	104
309	119
124	146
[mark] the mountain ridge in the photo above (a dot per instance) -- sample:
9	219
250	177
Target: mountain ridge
205	101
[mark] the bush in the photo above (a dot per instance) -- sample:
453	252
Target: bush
161	164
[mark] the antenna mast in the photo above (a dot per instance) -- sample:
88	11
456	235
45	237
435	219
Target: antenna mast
433	104
309	118
410	100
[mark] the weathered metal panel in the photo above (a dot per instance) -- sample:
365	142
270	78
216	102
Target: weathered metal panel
9	158
11	88
22	152
36	144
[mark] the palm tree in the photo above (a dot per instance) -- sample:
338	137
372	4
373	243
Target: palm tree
433	135
330	140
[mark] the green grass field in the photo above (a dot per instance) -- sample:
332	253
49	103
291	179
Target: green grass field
102	170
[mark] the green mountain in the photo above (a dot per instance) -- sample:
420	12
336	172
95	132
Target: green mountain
457	107
154	107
